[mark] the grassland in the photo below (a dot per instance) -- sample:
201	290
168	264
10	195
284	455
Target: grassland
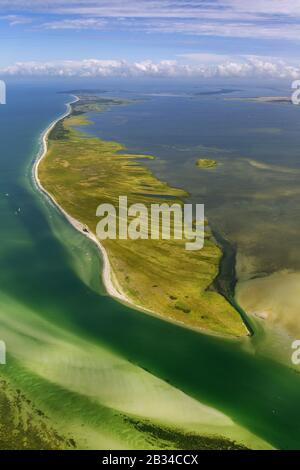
80	172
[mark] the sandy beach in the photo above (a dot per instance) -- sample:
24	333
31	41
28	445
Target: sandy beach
110	286
109	280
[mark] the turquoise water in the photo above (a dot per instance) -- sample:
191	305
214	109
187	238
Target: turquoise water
43	270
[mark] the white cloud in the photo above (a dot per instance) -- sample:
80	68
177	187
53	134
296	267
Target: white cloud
268	19
248	66
161	8
224	29
117	8
80	23
265	7
14	20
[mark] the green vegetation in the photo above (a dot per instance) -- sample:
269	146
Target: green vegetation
206	163
160	276
95	104
24	426
59	132
176	439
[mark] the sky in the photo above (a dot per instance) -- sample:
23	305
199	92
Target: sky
164	38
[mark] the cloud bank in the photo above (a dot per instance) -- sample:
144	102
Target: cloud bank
267	19
246	67
79	23
161	8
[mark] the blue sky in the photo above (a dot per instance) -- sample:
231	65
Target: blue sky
150	37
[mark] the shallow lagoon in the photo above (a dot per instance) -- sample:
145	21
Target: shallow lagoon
252	197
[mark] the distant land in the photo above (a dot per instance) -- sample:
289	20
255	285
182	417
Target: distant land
206	163
265	99
222	91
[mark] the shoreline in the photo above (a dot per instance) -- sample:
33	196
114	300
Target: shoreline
107	271
110	283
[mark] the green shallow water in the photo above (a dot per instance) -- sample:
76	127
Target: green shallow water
52	308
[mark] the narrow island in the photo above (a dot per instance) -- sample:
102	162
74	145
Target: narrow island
264	99
206	163
79	172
